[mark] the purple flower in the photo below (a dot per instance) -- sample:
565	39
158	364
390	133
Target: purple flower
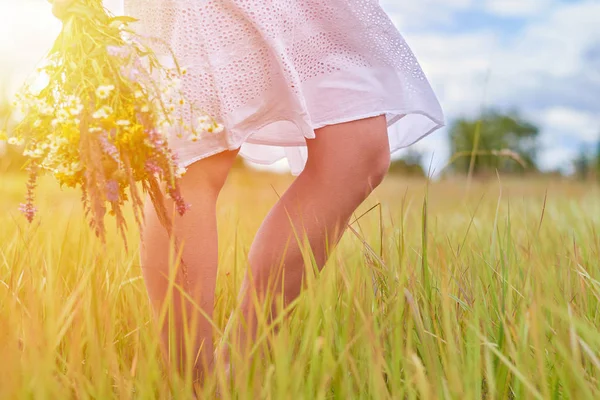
28	210
118	51
109	148
130	73
152	167
112	190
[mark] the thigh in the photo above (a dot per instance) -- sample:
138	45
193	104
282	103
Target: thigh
208	173
350	142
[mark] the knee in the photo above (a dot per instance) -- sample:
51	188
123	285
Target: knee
367	168
376	165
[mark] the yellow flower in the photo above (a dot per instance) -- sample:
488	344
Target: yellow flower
104	91
3	136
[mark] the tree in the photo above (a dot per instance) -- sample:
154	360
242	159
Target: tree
409	165
497	141
583	164
598	160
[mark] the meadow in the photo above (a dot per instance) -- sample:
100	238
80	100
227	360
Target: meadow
441	290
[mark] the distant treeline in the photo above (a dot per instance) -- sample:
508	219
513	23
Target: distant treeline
498	142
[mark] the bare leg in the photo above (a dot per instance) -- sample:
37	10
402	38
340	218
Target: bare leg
196	232
345	163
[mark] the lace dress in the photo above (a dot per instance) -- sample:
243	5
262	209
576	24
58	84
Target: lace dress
274	71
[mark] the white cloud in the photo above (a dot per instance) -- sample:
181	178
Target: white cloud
543	68
576	124
558	158
517	8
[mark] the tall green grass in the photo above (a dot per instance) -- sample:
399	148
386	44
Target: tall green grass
438	292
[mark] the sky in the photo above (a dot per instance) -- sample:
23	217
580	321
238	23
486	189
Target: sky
541	57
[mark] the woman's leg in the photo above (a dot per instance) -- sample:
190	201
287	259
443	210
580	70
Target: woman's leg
345	163
196	232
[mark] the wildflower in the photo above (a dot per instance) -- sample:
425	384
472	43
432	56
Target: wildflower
216	128
118	51
109	148
104	91
193	137
15	141
219	128
180	172
28	210
130	73
152	167
47	110
112	190
103	113
203	120
204	127
62	115
76	110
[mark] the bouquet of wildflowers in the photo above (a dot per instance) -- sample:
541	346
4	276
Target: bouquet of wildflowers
101	119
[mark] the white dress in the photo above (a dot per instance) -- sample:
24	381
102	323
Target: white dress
274	71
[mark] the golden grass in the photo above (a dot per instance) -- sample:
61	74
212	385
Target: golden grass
487	293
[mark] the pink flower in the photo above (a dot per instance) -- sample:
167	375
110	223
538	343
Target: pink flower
118	51
28	210
109	148
112	190
152	167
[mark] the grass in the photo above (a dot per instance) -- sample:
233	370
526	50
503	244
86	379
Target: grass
439	293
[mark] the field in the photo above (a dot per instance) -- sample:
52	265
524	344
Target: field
445	291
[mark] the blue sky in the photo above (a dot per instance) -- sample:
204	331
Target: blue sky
539	56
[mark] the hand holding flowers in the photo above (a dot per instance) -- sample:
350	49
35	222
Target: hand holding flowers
102	120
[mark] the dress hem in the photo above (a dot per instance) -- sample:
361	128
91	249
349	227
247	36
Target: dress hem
398	115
